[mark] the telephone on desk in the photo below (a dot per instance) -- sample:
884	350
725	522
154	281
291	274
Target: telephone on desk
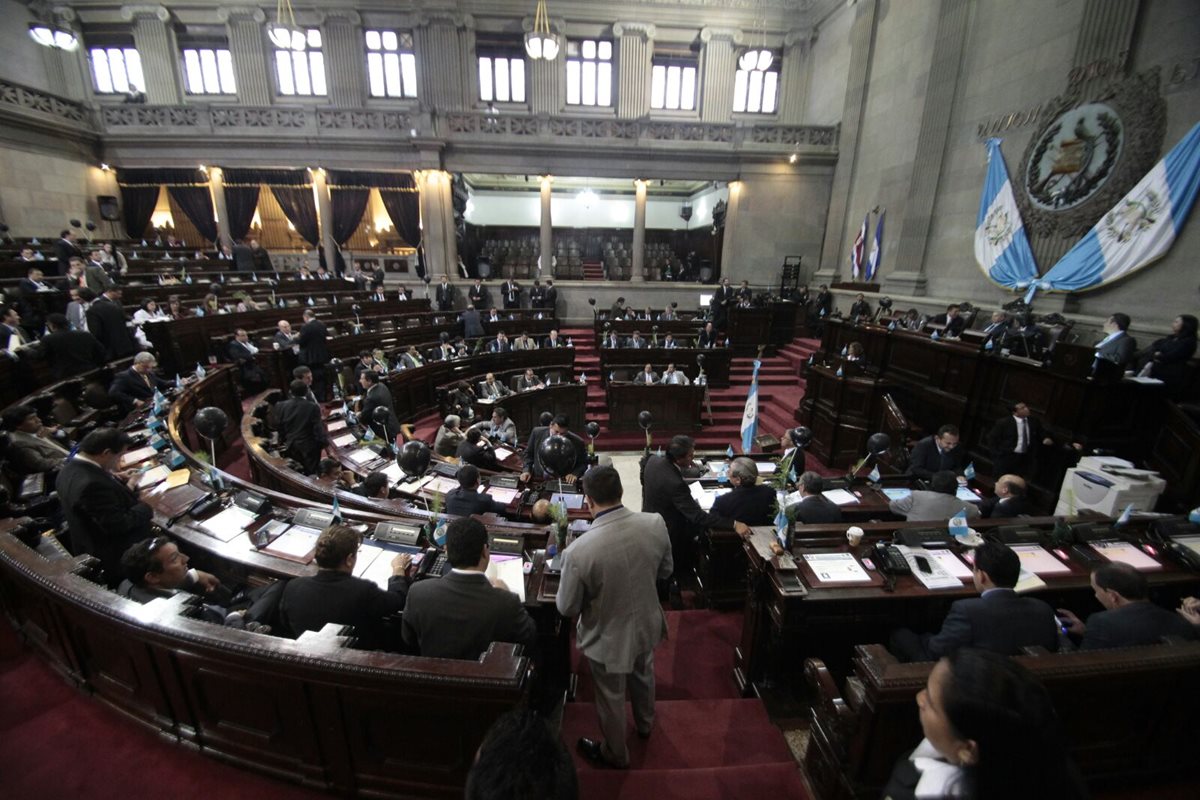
891	560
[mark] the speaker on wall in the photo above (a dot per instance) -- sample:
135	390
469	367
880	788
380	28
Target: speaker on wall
109	210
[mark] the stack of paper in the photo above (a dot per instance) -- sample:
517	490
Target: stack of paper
503	453
502	495
231	522
511	571
152	476
836	568
938	576
363	455
136	456
1126	553
1039	561
951	564
440	485
840	496
297	542
344	440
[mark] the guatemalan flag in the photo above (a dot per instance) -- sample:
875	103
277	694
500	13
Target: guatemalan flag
1141	227
750	415
856	252
1001	247
876	249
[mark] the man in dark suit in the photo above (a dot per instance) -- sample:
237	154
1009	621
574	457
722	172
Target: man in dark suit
1117	346
749	501
1008	500
937	504
1129	618
460	614
611	340
473	450
722	299
366	363
529	381
467	499
244	353
953	320
999	620
69	352
135	387
298	421
478	295
532	458
937	453
444	295
860	309
708	337
260	259
65	249
335	595
647	377
823	302
314	350
106	321
550	303
99	502
664	492
512	294
500	344
305	376
472	324
1014	440
554	340
492	389
375	397
537	295
815	508
243	257
636	342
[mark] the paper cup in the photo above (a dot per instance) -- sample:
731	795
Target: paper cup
854	536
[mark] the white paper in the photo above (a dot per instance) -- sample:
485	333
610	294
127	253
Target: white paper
937	578
1039	561
393	472
502	495
896	494
951	563
136	456
503	453
296	541
965	494
840	496
362	456
367	553
380	570
229	523
153	476
1028	581
510	570
344	441
415	485
1126	553
337	425
440	485
836	568
766	467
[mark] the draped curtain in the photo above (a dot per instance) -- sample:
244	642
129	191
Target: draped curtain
348	199
188	187
402	200
196	204
241	201
292	189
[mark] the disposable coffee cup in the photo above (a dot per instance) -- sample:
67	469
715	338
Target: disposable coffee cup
854	535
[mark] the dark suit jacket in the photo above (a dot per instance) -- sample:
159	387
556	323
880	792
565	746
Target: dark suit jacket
926	459
243	258
298	421
753	505
459	616
479	296
642	377
106	321
1002	622
72	352
954	327
309	603
533	461
664	492
1133	624
472	326
445	296
313	341
993	507
1002	438
1120	351
818	510
239	353
129	386
103	515
64	251
465	502
378	396
862	309
525	384
707	340
551	298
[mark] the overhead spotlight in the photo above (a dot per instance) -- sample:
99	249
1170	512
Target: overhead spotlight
792	158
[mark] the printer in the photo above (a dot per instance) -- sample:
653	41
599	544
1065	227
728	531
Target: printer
1106	485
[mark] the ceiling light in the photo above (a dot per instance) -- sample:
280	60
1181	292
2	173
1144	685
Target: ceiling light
50	35
285	34
541	42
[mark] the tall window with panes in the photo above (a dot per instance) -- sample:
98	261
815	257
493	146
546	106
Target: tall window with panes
301	73
207	68
391	64
501	75
116	69
589	72
754	91
673	84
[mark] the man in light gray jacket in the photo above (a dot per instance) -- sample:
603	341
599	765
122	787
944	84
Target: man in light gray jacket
609	580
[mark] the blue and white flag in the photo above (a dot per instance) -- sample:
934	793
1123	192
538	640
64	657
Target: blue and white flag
1139	229
856	250
178	381
1001	247
1125	515
337	510
876	249
750	415
969	472
874	474
200	373
958	525
729	451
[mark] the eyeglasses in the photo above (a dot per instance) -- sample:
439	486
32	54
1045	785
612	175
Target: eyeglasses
155	543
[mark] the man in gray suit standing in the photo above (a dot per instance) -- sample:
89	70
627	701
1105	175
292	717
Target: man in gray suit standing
609	580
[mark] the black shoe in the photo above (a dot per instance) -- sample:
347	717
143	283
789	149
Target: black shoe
593	752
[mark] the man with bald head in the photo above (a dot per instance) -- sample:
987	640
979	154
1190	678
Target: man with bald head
1009	500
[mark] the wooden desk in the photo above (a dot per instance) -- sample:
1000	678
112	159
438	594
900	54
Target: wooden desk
675	408
841	412
716	362
773	325
524	408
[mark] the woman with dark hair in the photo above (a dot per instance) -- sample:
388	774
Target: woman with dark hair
1167	358
990	732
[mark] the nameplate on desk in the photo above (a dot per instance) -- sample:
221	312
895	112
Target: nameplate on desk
1126	553
836	568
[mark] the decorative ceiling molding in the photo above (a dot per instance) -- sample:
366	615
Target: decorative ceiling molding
131	13
709	33
647	30
241	14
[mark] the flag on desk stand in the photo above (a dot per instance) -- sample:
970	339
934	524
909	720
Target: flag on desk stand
337	510
750	415
876	249
969	472
874	474
729	451
958	525
1125	515
856	251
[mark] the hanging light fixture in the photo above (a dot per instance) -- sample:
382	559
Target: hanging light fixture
541	42
757	59
49	34
285	33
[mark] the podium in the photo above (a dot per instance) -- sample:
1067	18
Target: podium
841	412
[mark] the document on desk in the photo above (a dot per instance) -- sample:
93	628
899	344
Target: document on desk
572	502
502	495
836	568
951	563
1028	581
1126	553
415	485
705	497
896	493
1039	561
136	456
297	542
840	496
441	485
965	494
938	576
367	553
766	467
363	456
345	440
393	472
337	425
511	571
228	524
502	453
152	476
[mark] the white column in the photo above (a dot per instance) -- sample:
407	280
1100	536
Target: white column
324	217
639	231
547	230
728	239
216	185
635	53
155	43
719	64
251	72
437	224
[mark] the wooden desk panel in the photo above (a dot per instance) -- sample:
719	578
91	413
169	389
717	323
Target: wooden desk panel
675	408
716	362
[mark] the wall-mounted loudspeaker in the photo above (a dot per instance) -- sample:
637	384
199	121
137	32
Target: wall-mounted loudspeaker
109	210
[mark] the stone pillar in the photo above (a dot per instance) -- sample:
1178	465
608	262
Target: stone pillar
718	65
437	224
155	43
937	103
216	185
324	217
345	58
445	50
635	56
247	45
793	78
729	234
546	248
862	45
639	231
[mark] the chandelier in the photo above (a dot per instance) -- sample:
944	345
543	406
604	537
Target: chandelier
49	34
757	59
285	33
541	42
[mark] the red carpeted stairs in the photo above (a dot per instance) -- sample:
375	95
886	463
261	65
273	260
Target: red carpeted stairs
707	742
593	271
